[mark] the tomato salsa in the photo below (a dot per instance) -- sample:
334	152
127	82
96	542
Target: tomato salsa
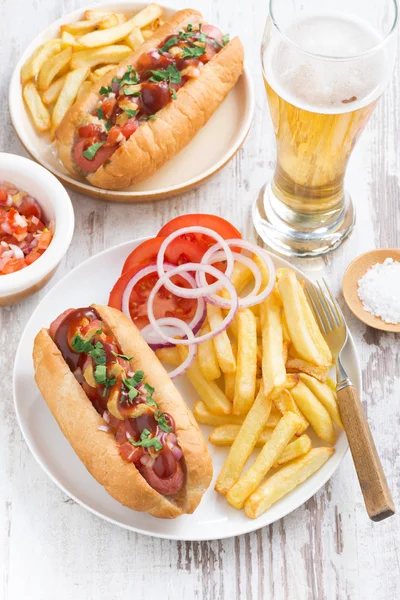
136	96
144	434
24	237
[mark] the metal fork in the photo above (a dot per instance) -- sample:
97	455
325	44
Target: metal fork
377	496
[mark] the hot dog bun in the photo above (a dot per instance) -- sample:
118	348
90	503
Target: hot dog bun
155	142
79	422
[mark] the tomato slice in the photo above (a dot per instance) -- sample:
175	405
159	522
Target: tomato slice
178	252
225	229
165	304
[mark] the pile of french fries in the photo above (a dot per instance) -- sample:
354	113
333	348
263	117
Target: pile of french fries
60	71
262	384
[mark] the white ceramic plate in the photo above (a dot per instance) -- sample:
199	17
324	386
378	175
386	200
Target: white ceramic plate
214	146
214	519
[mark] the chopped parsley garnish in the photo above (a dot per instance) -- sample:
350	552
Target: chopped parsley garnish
128	92
100	113
79	345
173	93
108	125
130	112
131	383
162	421
194	52
169	43
148	117
149	399
146	441
202	37
104	91
189	27
124	356
170	74
98	354
100	377
225	39
130	77
90	152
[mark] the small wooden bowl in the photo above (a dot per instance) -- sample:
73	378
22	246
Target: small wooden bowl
356	269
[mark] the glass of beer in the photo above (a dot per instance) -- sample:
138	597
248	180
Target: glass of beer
325	64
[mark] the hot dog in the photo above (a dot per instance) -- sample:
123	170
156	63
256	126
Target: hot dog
123	416
147	109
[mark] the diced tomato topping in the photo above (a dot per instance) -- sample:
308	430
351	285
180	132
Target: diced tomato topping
113	136
3	196
32	256
107	106
12	265
87	131
44	240
130	127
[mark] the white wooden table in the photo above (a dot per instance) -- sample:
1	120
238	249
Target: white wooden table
327	549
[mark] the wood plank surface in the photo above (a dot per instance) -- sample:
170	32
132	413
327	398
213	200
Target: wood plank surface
328	548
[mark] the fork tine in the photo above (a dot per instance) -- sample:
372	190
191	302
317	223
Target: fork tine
335	304
313	301
329	317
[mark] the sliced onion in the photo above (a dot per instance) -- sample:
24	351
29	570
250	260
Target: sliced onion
147	332
105	428
147	460
173	321
207	289
177	452
183	328
245	260
106	416
252	298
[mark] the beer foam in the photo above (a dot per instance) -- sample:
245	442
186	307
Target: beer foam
323	85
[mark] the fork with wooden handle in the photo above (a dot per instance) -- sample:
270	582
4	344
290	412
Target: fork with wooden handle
377	496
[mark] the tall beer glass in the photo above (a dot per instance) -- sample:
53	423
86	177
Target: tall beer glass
325	64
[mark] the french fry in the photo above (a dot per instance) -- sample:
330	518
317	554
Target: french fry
286	480
67	39
73	82
101	15
97	73
39	113
315	413
297	447
283	401
303	330
112	20
331	383
104	37
52	93
244	443
41	55
274	447
98	56
229	385
212	396
233	327
273	365
206	417
292	379
246	367
221	341
207	357
81	27
298	365
135	38
285	351
285	330
170	356
325	395
52	68
147	33
225	435
84	89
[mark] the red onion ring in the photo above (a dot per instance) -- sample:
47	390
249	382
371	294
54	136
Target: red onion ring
234	303
147	333
183	327
207	289
250	299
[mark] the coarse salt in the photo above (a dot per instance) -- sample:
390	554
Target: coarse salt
379	291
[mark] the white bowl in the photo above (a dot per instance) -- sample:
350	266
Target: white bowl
57	209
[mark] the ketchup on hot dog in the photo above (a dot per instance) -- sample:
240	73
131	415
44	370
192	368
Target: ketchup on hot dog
144	434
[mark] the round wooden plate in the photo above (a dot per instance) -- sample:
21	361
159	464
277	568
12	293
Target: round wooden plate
356	269
208	152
